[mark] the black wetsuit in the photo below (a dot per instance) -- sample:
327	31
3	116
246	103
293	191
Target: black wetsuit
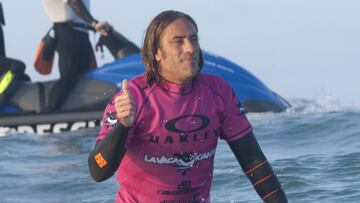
75	54
75	51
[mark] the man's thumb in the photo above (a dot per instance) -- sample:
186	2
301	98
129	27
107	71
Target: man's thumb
125	86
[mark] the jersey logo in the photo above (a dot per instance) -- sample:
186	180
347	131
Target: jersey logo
197	123
182	161
110	119
183	188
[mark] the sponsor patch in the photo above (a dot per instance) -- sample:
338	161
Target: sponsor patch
101	162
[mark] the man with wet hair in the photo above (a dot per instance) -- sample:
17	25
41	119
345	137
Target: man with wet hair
161	131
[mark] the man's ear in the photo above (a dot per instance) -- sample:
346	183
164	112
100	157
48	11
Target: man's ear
158	55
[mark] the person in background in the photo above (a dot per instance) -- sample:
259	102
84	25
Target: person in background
6	63
71	20
160	132
2	23
11	70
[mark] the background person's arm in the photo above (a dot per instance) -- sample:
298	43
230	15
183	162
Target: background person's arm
253	162
80	9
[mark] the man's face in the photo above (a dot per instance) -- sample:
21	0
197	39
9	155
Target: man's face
178	55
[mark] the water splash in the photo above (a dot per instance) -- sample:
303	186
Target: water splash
317	105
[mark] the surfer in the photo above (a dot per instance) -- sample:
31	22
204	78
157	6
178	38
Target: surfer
71	18
161	131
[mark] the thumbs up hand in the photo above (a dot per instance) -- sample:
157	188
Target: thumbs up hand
125	106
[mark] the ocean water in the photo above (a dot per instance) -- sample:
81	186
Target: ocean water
314	148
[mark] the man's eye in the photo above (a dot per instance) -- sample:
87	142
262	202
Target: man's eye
179	41
195	40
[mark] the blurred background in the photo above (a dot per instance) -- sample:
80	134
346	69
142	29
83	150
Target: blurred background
300	49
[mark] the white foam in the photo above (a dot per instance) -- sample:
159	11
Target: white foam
6	131
319	104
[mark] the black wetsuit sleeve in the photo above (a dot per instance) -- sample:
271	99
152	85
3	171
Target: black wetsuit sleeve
105	158
253	162
80	9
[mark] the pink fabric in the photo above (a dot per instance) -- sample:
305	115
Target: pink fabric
171	147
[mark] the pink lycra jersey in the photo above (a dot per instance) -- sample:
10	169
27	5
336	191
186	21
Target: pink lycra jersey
171	147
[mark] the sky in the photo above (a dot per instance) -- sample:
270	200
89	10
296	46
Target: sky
300	48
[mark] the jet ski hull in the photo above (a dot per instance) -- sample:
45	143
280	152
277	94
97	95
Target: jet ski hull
84	107
41	123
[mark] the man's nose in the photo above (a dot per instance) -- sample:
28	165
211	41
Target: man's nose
189	46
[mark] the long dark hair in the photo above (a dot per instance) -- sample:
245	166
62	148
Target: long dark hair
151	42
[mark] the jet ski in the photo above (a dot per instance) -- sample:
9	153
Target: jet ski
24	108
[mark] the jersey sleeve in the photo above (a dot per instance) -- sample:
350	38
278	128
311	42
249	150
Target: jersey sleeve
235	125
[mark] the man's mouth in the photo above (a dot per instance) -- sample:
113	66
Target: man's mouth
190	59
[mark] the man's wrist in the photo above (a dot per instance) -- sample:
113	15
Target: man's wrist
119	125
93	24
